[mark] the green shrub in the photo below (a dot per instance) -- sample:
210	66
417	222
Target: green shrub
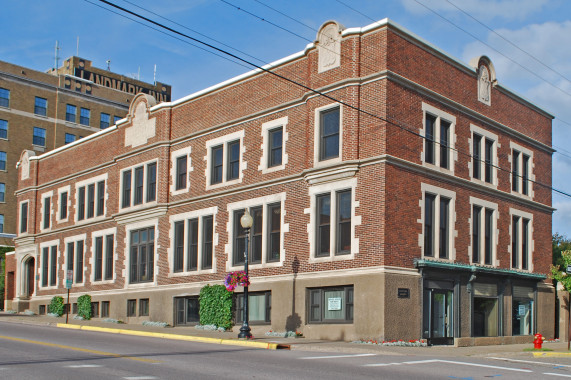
216	306
84	306
56	306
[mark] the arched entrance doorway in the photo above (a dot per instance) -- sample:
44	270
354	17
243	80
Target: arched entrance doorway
29	277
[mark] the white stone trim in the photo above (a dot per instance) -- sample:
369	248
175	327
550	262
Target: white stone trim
175	155
452	153
284	228
317	135
332	188
530	239
103	234
452	232
266	128
496	232
74	239
198	214
496	146
531	174
46	195
224	140
60	191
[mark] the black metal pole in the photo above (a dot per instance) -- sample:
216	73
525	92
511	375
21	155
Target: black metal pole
245	329
68	305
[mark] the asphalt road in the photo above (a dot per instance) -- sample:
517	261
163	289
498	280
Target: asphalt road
43	352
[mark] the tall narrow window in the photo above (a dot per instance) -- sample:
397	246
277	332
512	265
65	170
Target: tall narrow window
39	137
429	201
233	170
444	227
100	197
207	239
489	160
47	211
70	113
274	212
476	225
524	243
24	217
90	200
181	172
444	144
109	257
142	255
81	203
343	222
79	261
45	265
525	175
515	241
2	160
515	170
489	236
2	192
70	256
3	129
53	265
217	164
41	106
275	149
239	236
429	139
151	182
98	275
63	205
476	156
104	122
329	124
178	246
138	198
126	189
323	225
192	261
256	235
4	97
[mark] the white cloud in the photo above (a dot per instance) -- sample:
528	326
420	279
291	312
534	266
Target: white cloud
481	9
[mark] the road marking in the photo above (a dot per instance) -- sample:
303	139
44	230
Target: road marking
140	377
449	362
103	353
83	366
556	374
337	356
530	361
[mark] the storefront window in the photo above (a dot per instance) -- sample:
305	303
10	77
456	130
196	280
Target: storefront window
522	317
485	316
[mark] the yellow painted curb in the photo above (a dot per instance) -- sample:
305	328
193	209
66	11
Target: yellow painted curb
188	338
552	354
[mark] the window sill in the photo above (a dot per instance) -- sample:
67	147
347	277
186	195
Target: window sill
255	266
326	259
191	273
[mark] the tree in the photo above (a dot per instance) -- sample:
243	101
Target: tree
560	243
558	272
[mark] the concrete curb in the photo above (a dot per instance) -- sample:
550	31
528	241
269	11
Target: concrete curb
552	354
189	338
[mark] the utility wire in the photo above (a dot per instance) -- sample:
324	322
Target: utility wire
317	92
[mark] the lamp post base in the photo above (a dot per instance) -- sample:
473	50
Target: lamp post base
245	332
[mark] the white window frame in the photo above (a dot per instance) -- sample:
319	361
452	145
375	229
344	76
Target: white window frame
530	240
495	220
496	146
197	214
317	162
20	218
103	234
332	188
60	191
144	203
175	155
49	245
147	223
452	154
85	183
224	140
531	174
46	195
284	228
74	239
266	128
452	232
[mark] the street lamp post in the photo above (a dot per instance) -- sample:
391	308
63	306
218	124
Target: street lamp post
246	222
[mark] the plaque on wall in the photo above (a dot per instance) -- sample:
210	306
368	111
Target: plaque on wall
403	293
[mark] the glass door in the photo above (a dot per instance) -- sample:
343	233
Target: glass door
441	317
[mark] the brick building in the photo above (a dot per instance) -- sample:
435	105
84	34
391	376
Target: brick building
403	201
42	111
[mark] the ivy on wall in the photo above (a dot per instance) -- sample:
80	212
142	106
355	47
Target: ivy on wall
216	306
84	306
56	306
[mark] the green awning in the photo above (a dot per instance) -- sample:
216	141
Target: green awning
433	264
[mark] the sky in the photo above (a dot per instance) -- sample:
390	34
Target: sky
528	42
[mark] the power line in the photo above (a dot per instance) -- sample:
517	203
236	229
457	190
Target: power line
317	92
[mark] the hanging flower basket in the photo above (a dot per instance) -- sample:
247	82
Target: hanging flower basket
234	279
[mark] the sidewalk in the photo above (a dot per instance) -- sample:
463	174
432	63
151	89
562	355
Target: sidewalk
230	338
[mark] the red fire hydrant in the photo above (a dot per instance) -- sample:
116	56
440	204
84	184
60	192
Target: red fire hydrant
538	341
